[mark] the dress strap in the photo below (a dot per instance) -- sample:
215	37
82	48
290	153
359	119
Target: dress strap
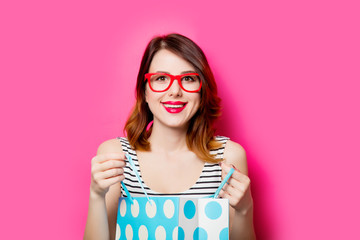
219	152
124	144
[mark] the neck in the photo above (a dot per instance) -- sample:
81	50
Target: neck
167	139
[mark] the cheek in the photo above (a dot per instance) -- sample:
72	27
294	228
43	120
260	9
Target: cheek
197	101
152	97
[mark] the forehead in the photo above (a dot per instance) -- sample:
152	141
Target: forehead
165	60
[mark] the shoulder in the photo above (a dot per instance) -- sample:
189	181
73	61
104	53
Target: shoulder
235	154
111	145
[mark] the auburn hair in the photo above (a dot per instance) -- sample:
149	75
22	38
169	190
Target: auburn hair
200	133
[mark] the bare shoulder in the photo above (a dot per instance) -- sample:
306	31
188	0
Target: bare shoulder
235	154
110	146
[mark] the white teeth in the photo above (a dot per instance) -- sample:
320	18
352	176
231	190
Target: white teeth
174	106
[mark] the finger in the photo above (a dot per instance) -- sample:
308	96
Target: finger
242	186
235	192
108	174
224	191
221	193
232	200
110	181
240	177
237	174
108	165
107	156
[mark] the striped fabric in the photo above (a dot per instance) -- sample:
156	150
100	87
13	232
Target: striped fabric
207	183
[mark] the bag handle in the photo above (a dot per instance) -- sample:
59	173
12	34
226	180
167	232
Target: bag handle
127	192
222	184
132	164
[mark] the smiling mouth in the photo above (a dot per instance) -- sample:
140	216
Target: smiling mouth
174	105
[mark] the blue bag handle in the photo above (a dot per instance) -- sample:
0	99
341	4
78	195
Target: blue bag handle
222	184
127	192
132	164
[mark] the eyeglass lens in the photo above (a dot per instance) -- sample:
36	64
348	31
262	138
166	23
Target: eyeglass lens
160	82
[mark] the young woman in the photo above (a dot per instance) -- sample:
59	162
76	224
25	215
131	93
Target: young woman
170	136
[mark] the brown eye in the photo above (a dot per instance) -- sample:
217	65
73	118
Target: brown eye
161	78
190	78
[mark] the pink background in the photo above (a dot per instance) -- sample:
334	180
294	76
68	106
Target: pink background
288	73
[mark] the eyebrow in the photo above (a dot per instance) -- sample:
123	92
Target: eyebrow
180	73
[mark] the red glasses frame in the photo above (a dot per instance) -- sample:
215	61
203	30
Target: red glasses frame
172	79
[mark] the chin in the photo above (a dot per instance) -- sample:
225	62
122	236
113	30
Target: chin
175	124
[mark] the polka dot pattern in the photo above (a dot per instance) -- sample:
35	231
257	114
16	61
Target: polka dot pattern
151	209
203	218
181	233
123	208
160	233
189	209
129	232
148	220
200	234
213	210
143	233
135	208
118	232
169	208
172	218
224	234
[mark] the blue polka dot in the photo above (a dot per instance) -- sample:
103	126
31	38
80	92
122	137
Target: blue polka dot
181	234
189	209
200	234
213	210
224	234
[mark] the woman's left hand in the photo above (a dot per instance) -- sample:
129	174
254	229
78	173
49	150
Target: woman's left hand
237	189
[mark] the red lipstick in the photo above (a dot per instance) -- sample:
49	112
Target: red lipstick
174	107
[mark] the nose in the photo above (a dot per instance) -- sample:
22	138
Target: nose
175	89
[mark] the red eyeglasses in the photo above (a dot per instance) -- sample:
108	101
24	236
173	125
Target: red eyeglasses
161	82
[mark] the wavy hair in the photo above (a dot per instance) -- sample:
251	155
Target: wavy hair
200	133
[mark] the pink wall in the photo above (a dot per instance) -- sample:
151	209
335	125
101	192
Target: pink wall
288	73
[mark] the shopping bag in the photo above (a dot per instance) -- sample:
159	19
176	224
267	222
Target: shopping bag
178	218
203	218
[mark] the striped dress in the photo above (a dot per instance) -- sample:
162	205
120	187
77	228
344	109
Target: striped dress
207	183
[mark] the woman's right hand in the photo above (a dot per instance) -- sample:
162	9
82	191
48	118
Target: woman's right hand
106	170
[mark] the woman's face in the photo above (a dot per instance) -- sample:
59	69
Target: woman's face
174	107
